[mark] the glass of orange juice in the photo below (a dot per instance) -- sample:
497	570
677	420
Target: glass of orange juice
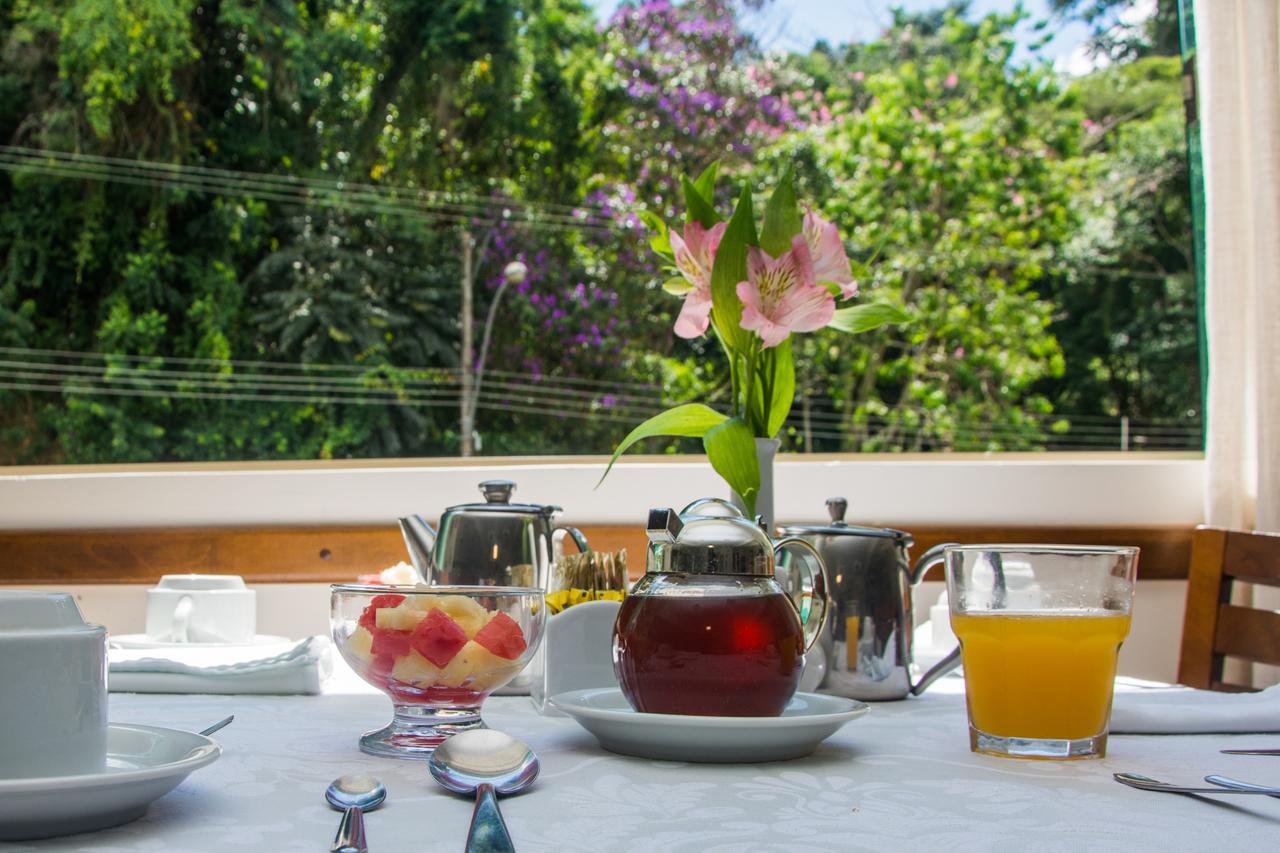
1040	627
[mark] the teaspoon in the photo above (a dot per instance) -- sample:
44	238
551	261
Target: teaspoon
1237	785
355	793
485	762
1133	780
221	724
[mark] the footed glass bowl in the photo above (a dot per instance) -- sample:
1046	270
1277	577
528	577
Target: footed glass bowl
437	651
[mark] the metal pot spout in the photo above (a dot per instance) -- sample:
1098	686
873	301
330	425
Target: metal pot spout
420	539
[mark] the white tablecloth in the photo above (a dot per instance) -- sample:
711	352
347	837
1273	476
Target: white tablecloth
900	778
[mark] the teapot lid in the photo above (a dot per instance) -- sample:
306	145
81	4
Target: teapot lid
709	536
497	498
839	527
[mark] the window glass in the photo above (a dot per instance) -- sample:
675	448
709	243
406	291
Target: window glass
325	229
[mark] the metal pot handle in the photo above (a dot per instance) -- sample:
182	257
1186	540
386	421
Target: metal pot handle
928	560
811	600
557	541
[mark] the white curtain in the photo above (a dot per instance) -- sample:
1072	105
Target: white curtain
1238	68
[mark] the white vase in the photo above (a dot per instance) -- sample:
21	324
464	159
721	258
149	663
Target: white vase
766	450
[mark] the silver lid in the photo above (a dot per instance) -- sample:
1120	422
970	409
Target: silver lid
836	508
497	498
709	536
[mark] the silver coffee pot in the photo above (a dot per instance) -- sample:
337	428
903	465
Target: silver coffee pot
868	636
495	543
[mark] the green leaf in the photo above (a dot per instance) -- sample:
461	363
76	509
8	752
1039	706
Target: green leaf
864	318
698	208
731	449
784	387
691	419
730	267
706	182
677	285
660	242
782	219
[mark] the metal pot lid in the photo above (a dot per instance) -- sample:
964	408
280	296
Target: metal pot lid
709	537
497	497
839	527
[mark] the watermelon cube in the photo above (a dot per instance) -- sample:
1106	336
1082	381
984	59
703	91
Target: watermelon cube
369	617
438	638
388	642
503	637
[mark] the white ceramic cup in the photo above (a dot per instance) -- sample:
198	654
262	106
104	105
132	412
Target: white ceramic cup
53	687
201	609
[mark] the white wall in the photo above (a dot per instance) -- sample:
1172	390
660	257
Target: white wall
1054	489
299	610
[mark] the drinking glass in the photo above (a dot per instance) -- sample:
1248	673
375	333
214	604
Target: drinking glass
1040	628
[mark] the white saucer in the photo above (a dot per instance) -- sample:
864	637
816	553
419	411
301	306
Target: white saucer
807	720
142	641
143	764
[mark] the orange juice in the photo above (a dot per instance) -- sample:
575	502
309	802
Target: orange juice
1040	675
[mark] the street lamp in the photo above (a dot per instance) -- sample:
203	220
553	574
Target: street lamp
513	273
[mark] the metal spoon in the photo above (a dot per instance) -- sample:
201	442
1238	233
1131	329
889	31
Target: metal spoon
1145	783
1237	785
485	762
1250	751
221	724
356	793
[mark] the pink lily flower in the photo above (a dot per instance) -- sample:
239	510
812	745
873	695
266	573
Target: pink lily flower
695	253
830	263
781	295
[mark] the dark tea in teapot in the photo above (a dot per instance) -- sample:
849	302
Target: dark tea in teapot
727	655
708	630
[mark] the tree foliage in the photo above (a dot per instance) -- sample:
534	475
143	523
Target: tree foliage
281	277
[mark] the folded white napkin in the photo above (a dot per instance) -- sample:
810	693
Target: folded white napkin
1181	710
187	668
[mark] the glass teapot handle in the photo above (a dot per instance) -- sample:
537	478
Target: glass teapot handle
809	586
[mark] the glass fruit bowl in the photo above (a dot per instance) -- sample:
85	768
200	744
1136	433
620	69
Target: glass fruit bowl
437	651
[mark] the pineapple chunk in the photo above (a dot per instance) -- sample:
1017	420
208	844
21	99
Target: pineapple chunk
413	668
469	615
360	644
480	668
399	618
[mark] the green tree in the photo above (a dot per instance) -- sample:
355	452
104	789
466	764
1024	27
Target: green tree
951	176
1126	294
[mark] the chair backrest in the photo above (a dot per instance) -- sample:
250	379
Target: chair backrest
1213	627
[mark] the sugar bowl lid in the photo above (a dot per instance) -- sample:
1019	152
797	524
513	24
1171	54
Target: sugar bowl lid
709	536
34	610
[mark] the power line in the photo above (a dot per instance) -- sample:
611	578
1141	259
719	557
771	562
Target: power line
345	384
422	205
19	154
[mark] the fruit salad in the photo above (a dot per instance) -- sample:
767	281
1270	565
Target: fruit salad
435	647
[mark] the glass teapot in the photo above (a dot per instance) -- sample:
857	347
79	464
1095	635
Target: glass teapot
709	630
495	543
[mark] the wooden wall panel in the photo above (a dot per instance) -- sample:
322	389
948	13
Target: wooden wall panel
340	553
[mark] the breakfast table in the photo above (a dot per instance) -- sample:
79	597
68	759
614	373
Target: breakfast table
901	776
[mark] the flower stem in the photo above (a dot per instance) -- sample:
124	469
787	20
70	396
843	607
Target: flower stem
734	376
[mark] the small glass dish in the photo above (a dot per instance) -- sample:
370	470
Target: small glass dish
437	651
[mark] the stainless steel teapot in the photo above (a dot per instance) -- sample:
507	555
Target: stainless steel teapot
495	543
868	636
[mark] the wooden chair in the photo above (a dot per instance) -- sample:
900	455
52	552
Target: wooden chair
1213	627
